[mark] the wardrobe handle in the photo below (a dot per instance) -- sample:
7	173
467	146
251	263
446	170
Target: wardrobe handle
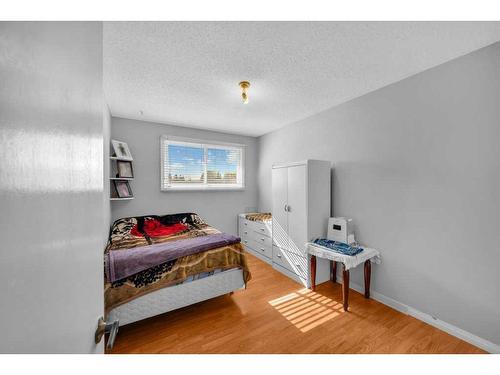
285	208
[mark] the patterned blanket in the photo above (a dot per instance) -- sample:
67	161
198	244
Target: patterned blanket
259	216
134	232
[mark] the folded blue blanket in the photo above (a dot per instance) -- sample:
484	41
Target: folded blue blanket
339	247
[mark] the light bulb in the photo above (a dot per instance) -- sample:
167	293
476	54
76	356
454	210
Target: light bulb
244	87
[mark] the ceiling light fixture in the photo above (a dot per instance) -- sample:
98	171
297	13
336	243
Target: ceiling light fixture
244	87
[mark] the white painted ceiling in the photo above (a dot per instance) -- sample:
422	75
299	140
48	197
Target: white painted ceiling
187	73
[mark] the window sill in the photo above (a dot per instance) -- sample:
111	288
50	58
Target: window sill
211	188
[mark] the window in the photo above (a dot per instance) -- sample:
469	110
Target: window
188	164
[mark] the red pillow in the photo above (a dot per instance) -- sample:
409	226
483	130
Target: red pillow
153	228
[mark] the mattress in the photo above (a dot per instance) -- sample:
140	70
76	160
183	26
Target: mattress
175	297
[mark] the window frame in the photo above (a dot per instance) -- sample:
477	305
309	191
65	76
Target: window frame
205	144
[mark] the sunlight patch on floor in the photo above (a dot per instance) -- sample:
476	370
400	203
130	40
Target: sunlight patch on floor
306	309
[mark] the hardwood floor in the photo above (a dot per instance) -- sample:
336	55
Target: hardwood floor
277	315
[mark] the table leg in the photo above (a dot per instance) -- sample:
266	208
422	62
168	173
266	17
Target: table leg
313	272
345	288
333	271
368	274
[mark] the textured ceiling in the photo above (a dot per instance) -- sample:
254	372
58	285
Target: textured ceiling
187	73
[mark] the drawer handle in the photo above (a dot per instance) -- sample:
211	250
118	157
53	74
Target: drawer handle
262	229
246	232
278	255
262	239
246	223
245	241
262	249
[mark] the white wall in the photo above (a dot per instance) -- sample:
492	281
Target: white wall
218	208
417	166
106	130
51	186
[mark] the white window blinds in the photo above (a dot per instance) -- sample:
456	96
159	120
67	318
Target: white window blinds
192	164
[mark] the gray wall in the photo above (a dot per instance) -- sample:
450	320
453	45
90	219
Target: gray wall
218	208
51	186
417	166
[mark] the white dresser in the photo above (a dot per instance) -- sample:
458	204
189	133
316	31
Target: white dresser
301	194
257	237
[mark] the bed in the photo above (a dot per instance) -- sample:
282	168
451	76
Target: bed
155	264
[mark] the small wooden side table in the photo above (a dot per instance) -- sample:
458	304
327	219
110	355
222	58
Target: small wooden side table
367	256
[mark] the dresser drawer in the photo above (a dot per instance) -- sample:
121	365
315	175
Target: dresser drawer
261	239
245	233
291	261
242	227
263	228
258	248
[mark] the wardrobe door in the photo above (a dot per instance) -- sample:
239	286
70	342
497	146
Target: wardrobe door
280	196
297	208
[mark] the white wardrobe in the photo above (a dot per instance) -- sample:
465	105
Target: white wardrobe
301	194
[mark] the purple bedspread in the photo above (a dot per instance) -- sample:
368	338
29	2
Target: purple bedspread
127	262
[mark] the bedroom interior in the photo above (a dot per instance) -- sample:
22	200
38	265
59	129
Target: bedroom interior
250	187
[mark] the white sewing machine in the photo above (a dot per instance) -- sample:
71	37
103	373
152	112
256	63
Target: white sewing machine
341	229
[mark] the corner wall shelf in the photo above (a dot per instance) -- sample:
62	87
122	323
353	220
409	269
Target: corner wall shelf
120	165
